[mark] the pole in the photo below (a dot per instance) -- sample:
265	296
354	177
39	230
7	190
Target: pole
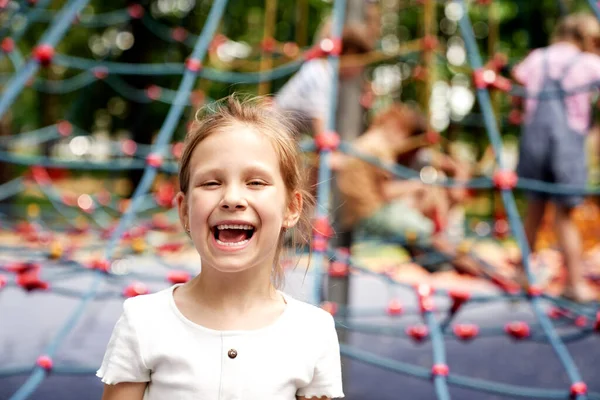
266	61
302	22
349	122
429	30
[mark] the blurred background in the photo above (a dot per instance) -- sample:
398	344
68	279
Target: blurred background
90	117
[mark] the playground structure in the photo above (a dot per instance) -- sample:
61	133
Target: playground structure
122	227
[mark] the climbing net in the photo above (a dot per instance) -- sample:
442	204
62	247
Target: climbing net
120	227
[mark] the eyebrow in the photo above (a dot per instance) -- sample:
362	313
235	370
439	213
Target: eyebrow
256	169
259	170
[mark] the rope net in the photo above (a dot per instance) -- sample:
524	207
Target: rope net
44	248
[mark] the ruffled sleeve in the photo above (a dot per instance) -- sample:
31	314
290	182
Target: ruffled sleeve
123	361
327	378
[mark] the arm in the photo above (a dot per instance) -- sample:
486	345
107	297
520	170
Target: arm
318	125
123	369
526	68
449	165
326	382
399	188
460	171
124	391
517	78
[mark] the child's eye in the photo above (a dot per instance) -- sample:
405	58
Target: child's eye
257	183
211	183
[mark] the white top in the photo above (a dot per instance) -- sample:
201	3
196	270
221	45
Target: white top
154	342
308	90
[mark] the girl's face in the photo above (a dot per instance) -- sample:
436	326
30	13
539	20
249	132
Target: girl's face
237	202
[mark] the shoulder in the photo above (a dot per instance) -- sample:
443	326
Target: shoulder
147	306
310	315
591	60
317	69
536	54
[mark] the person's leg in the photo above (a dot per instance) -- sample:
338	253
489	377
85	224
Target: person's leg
570	167
535	155
434	203
399	220
569	240
534	214
463	263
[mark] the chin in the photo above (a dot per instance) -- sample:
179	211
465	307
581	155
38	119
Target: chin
227	265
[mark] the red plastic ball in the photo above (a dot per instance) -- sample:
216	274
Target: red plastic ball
418	332
178	277
7	45
338	269
330	307
394	307
44	54
440	370
518	330
136	11
45	362
466	331
578	388
64	128
154	160
135	289
327	140
193	64
179	34
505	179
322	227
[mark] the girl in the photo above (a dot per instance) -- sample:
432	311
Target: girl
381	206
552	146
229	333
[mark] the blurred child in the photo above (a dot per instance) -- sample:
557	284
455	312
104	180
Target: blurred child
374	202
372	20
307	93
552	146
230	332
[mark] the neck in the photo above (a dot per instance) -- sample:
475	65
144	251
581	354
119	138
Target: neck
233	291
569	42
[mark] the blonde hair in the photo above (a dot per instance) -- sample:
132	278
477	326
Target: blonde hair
401	118
259	113
582	29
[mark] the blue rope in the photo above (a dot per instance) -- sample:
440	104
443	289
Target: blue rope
508	198
324	173
141	201
163	138
439	355
51	37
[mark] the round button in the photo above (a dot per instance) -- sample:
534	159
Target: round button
232	353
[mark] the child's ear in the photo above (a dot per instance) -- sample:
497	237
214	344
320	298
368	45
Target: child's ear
181	201
294	210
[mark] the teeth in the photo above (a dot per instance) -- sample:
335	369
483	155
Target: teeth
245	227
243	242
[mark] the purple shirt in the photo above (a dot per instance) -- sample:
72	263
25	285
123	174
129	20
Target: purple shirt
585	71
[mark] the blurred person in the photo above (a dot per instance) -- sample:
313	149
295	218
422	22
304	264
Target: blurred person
378	204
552	145
306	95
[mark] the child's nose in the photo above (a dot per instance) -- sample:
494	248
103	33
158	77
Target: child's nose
233	198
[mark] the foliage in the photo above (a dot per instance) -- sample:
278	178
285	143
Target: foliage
523	25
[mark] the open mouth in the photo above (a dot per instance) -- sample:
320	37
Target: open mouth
233	235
